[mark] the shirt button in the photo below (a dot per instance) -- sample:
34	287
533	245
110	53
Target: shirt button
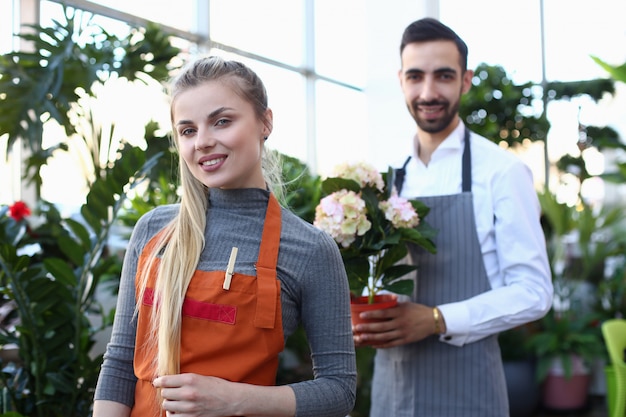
447	338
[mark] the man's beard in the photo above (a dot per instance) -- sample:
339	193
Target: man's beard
434	125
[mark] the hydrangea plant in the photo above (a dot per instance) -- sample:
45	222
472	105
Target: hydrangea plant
372	225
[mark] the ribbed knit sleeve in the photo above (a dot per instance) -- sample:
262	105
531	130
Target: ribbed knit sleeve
325	313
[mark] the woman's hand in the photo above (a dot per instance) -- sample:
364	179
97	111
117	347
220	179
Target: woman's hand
193	395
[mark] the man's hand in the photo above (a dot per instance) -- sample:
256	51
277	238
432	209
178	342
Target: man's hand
405	323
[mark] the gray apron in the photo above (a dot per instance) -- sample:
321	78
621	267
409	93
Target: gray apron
431	378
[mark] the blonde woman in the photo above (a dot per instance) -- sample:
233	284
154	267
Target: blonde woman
212	287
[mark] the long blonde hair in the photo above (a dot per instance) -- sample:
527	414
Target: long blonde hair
182	240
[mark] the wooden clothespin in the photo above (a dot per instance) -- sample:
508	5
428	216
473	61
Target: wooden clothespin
230	268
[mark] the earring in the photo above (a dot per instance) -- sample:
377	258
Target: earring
265	137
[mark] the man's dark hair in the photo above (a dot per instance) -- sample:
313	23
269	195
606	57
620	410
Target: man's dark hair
429	29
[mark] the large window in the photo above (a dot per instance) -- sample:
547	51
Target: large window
330	66
309	54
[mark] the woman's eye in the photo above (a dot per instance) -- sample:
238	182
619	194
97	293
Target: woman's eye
186	132
222	122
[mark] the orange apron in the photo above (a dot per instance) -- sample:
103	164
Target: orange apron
234	334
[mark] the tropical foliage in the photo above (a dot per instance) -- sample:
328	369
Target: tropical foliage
49	271
56	81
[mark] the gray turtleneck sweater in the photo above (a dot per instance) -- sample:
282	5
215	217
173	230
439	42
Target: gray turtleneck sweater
314	292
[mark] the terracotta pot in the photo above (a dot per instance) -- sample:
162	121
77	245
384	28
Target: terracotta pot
359	304
568	394
561	393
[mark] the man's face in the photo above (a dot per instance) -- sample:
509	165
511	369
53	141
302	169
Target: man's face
433	81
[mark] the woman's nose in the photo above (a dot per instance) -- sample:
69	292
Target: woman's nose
204	139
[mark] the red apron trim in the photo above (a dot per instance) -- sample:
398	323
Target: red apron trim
200	310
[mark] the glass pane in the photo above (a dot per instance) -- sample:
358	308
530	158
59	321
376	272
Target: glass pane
272	28
181	14
6	26
340	40
51	10
490	38
574	30
286	92
9	173
341	126
9	180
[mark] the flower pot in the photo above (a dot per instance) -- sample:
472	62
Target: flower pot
562	393
360	304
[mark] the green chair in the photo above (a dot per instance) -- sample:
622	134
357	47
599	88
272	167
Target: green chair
614	333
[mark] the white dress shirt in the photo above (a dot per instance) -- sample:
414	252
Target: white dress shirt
512	242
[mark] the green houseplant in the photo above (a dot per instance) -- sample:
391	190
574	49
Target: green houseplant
562	335
566	344
49	272
372	226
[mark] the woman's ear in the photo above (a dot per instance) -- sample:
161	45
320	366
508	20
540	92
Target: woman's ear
268	122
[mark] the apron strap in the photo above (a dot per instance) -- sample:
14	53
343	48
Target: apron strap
467	163
267	288
399	173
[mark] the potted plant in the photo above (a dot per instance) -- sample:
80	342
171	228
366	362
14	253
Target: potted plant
566	345
372	225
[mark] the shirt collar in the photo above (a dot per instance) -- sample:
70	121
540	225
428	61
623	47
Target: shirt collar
454	141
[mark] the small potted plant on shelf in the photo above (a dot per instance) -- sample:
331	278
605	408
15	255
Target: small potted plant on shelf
566	345
372	226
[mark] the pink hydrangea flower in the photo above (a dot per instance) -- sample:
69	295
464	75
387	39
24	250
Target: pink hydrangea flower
361	172
399	211
342	214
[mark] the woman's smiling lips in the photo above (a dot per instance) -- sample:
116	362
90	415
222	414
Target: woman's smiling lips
212	162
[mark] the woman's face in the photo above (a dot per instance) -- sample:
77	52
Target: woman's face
219	136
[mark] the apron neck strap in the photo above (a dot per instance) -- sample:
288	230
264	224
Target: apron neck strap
467	163
400	173
267	289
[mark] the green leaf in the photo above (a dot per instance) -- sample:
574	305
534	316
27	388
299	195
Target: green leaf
330	185
80	231
397	271
422	236
421	209
404	287
357	270
617	72
61	271
71	249
391	256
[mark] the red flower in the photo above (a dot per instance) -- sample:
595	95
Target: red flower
18	211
